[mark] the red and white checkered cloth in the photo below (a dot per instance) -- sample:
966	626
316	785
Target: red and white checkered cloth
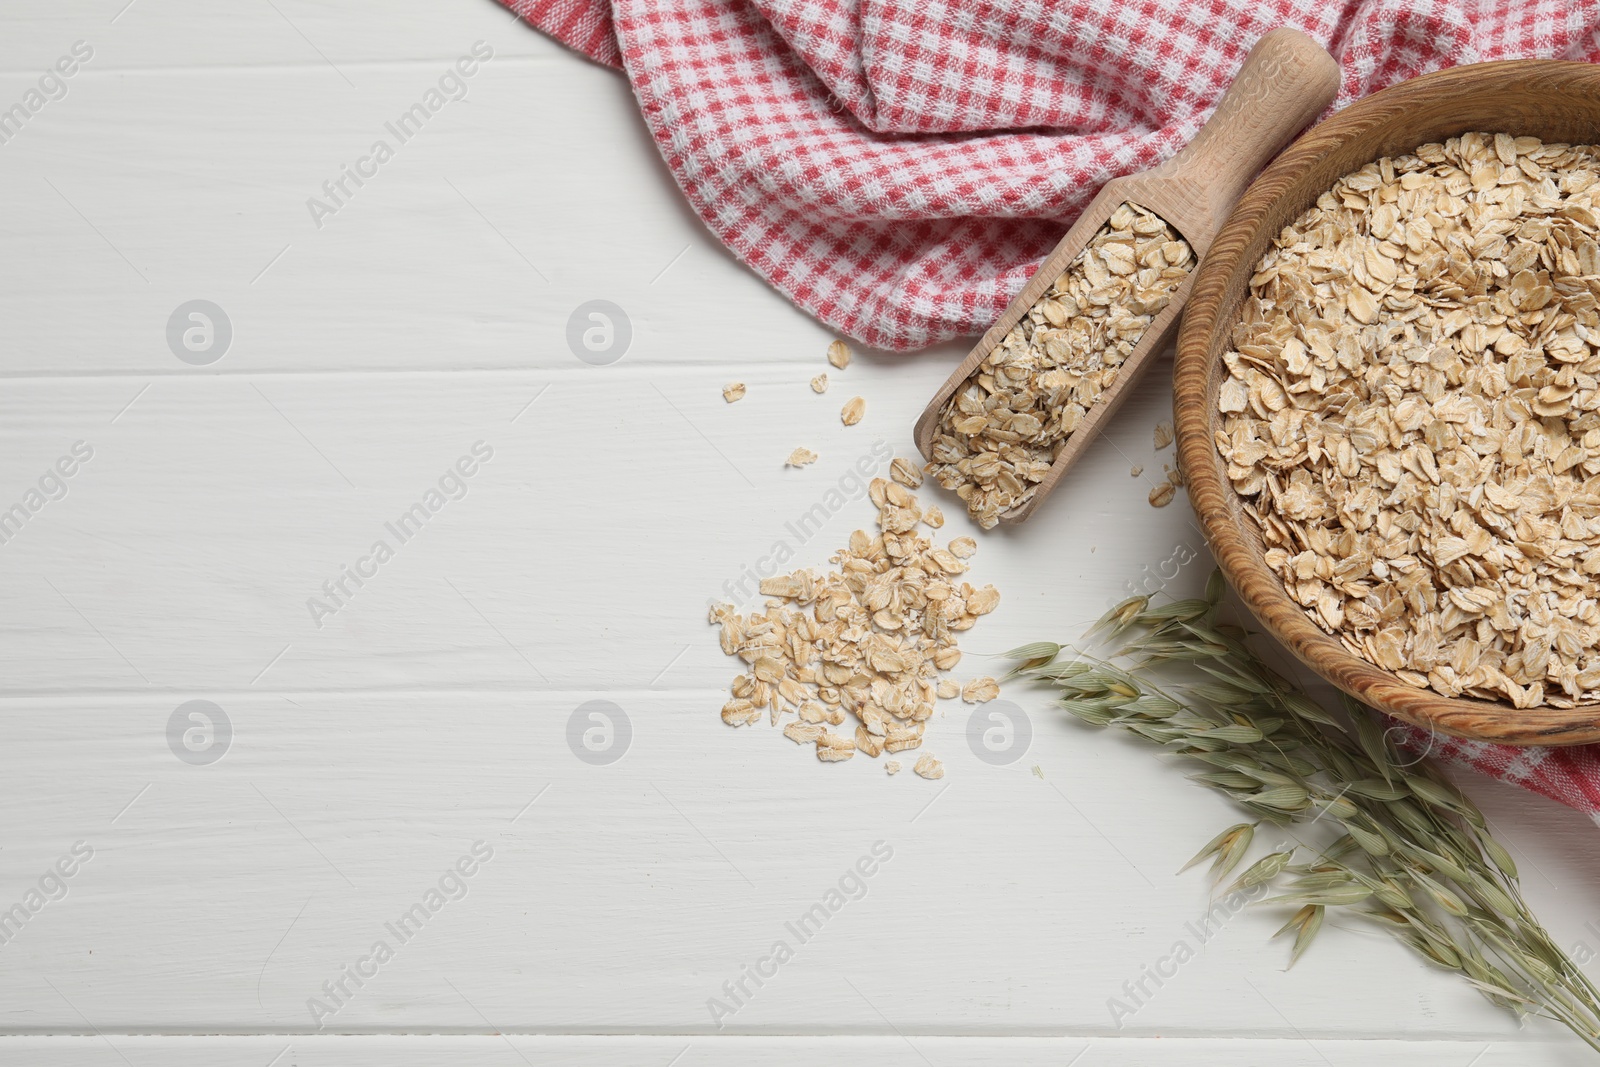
899	167
1570	775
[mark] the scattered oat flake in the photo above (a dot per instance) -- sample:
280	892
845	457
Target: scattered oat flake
963	547
948	689
831	748
1163	434
868	742
932	516
733	391
839	354
902	737
863	641
819	384
1162	495
905	472
980	690
853	410
982	601
1136	471
803	733
740	712
800	457
893	766
928	767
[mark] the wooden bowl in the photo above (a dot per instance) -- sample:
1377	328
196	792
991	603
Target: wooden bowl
1551	100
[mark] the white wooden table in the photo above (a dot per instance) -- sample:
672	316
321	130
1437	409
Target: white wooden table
370	744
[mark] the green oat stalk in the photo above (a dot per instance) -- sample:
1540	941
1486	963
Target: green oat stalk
1413	854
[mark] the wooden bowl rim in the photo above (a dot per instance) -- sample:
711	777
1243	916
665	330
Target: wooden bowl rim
1210	492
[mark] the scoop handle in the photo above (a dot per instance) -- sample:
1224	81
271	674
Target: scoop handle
1285	82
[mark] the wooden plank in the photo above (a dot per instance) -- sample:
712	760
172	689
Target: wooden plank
459	251
224	896
298	36
887	1051
189	550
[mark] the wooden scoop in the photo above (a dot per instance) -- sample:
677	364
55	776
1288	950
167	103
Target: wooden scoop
1285	82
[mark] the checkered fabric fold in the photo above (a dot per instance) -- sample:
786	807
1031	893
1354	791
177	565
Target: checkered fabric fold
898	168
1570	775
